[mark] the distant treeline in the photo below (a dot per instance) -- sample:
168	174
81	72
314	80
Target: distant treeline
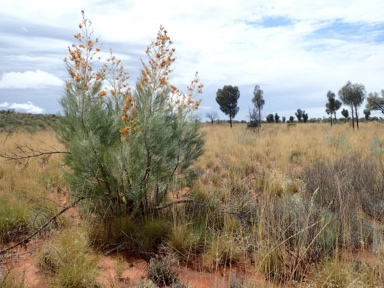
310	120
11	120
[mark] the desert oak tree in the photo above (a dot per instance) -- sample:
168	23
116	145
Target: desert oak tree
375	102
332	105
227	100
258	101
353	95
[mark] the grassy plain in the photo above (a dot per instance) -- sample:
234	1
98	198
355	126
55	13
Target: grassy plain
286	205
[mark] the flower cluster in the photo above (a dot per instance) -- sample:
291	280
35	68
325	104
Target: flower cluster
110	79
154	79
80	61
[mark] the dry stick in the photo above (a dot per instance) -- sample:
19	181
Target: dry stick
42	227
35	155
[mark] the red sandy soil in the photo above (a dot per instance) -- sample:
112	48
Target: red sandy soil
23	266
22	263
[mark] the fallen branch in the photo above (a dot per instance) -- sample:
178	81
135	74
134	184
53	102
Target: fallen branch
42	227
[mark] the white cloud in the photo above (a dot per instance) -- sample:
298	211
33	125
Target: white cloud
29	80
225	41
28	107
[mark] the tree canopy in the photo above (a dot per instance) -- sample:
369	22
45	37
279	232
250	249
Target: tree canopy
258	101
375	102
345	113
227	100
333	105
212	116
353	95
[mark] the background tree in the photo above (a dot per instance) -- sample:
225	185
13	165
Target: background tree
277	118
270	118
345	113
305	117
299	114
283	119
353	95
212	116
253	118
367	113
375	102
291	119
227	100
333	105
258	101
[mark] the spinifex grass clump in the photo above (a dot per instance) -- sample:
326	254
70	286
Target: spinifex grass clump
127	146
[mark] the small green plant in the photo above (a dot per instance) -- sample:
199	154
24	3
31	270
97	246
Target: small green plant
69	261
120	265
222	251
333	274
339	141
10	279
153	233
236	281
161	271
187	240
14	218
270	262
377	146
150	284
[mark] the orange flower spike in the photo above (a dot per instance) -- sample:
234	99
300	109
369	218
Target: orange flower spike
125	117
125	130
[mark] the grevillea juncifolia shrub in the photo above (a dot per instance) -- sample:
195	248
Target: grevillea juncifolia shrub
127	146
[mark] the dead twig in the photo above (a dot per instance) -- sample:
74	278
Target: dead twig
42	227
27	151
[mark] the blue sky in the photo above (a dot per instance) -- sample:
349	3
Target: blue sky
295	50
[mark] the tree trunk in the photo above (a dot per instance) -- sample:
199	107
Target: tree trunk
353	118
230	120
357	118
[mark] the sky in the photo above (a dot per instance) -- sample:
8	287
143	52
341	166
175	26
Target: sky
295	50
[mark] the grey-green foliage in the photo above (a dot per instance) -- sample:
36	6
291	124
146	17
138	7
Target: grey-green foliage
164	147
353	95
375	101
258	101
89	129
377	146
123	173
338	141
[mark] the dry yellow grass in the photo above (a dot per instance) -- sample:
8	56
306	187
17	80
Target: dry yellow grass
259	176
